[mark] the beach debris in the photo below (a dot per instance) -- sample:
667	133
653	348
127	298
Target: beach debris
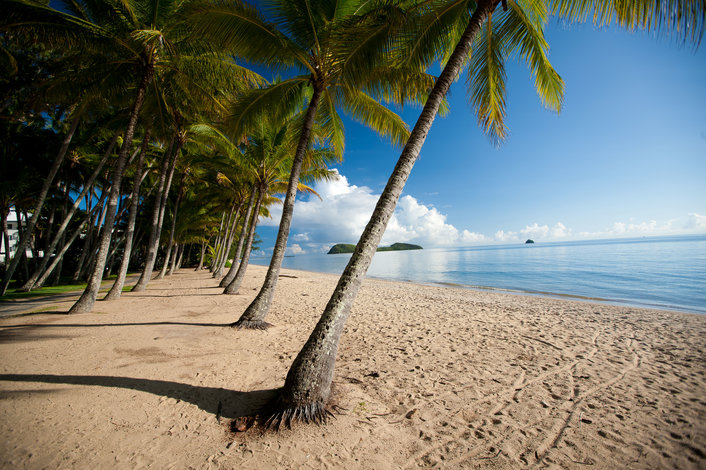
374	375
410	413
242	423
544	404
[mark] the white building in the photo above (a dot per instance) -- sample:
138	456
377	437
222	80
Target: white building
14	235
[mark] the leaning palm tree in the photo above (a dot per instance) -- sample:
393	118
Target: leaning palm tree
337	46
481	32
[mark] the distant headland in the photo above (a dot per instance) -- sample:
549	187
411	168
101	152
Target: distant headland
348	248
529	241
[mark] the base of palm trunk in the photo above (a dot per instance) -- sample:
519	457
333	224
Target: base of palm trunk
275	415
251	325
112	295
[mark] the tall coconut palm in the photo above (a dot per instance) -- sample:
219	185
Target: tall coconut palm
337	47
494	33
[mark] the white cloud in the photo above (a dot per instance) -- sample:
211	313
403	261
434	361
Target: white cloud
295	249
344	210
695	222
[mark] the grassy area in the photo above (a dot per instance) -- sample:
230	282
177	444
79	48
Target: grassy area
12	294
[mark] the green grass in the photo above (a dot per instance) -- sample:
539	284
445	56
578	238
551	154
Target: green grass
12	294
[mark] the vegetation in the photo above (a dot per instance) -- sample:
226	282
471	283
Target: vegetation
133	138
348	248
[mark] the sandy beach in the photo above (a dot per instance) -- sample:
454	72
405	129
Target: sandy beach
426	377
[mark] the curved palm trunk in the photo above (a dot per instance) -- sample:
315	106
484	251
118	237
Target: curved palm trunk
165	180
234	286
117	288
203	255
58	237
217	245
228	279
228	239
60	255
170	245
308	382
26	235
238	252
88	298
254	315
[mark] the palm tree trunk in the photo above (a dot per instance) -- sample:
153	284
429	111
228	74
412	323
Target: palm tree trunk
217	245
88	298
231	238
218	272
88	185
117	288
87	240
203	255
87	219
254	315
27	233
238	252
308	383
234	286
181	255
172	232
165	181
228	279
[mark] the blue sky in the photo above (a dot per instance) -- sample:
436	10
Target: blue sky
626	156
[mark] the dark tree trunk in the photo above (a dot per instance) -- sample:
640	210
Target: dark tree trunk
218	272
172	232
86	241
58	237
308	383
117	288
40	282
238	252
230	237
88	298
165	181
203	255
217	245
228	279
254	315
27	234
234	286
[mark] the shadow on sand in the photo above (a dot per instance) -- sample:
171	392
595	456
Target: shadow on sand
221	403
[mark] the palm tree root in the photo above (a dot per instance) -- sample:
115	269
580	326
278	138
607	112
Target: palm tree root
276	416
251	324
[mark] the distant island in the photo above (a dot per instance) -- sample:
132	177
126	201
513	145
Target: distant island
348	248
529	240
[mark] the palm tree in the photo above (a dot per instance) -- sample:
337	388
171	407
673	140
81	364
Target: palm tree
518	27
338	47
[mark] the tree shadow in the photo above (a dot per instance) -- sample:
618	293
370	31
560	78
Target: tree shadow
220	402
174	295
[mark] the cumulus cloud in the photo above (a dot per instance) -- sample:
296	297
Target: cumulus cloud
344	209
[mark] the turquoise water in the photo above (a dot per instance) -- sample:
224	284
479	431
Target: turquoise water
664	272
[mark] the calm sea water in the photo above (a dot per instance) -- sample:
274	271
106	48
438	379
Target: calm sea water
664	272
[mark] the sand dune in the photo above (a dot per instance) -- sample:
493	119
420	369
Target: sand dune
426	377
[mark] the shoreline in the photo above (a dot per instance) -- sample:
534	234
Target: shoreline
550	295
426	376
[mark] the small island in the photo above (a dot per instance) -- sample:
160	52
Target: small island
529	240
348	248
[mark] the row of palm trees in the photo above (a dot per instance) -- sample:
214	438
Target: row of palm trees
218	139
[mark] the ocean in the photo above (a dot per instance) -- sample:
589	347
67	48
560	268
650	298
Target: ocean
657	272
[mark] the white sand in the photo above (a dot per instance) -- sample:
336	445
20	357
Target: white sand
466	379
